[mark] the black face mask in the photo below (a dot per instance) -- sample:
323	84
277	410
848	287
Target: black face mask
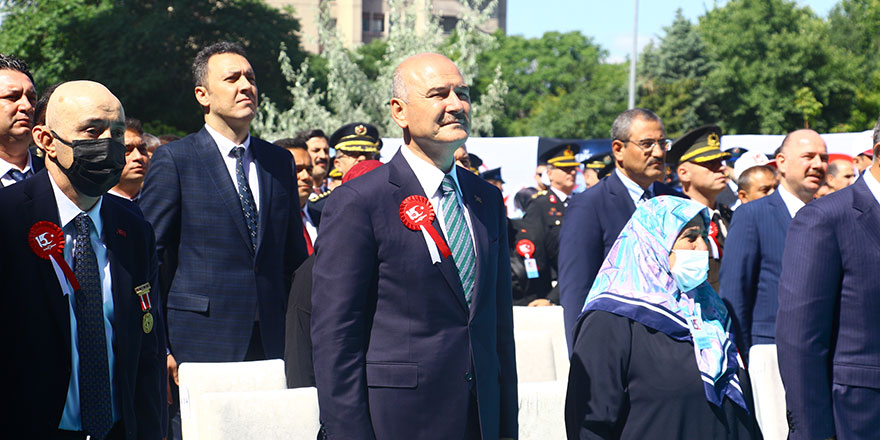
97	164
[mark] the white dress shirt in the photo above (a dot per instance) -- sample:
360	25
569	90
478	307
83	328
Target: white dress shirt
793	203
309	224
225	145
67	211
635	191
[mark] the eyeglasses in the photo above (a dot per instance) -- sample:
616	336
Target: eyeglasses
649	144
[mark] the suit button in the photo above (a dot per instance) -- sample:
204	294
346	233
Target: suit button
469	377
558	222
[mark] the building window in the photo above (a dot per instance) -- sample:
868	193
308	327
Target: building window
378	23
448	23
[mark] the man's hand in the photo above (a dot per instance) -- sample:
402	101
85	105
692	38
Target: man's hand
172	373
540	302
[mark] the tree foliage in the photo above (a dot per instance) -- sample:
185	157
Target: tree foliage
142	49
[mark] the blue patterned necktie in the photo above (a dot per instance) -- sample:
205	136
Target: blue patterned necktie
248	206
16	175
94	370
458	236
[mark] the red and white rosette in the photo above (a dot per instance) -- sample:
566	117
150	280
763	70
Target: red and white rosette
47	241
525	248
416	213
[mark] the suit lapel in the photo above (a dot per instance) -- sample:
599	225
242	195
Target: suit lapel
616	188
780	210
206	150
43	207
402	176
477	212
125	310
869	209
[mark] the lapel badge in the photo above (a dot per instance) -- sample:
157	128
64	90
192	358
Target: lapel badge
147	322
120	231
478	199
143	292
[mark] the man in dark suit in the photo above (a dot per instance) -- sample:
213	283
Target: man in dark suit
699	164
829	353
752	263
90	356
137	162
16	119
228	229
595	217
413	330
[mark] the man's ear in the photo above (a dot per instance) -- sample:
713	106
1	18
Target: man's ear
201	93
683	173
43	138
398	112
617	149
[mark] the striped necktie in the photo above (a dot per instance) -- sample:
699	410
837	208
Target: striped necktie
458	236
94	368
16	175
248	206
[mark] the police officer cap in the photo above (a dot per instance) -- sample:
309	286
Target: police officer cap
698	145
560	156
356	138
602	163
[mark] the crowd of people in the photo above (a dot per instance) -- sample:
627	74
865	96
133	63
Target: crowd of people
695	305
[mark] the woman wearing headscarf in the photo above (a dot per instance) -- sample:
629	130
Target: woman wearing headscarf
654	356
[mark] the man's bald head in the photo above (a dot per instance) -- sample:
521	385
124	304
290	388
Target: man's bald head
414	65
804	136
71	99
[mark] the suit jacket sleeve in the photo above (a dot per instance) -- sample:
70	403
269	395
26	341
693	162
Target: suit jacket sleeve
151	404
581	252
343	293
506	352
160	201
739	273
809	288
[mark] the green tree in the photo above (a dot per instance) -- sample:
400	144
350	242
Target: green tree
854	32
558	86
672	78
766	51
142	49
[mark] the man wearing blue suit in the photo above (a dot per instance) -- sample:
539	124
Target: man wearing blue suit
829	352
752	264
595	217
228	230
412	320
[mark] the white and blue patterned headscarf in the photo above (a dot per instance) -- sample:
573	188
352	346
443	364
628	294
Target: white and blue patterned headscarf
635	282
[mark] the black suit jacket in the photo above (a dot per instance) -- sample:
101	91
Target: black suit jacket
218	282
593	220
37	321
298	363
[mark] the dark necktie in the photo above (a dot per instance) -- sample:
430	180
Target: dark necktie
94	371
458	236
646	195
248	206
16	175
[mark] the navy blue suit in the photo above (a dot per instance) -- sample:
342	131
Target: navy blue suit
751	266
593	220
38	360
218	282
828	328
398	353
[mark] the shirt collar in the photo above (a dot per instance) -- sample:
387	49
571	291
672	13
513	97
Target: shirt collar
559	194
67	210
428	175
873	184
225	144
635	191
6	166
793	203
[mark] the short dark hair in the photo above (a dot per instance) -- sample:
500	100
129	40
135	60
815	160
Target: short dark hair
746	178
166	138
12	62
43	103
290	143
620	129
876	136
200	63
305	135
134	124
836	167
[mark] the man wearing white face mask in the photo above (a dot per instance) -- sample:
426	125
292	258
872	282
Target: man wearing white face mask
752	265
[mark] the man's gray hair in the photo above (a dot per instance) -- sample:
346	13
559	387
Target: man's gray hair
398	85
876	132
620	129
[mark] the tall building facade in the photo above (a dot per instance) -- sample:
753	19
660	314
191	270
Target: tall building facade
361	21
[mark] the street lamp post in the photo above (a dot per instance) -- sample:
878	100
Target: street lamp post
632	61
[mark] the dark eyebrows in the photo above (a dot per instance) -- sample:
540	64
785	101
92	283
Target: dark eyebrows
692	232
